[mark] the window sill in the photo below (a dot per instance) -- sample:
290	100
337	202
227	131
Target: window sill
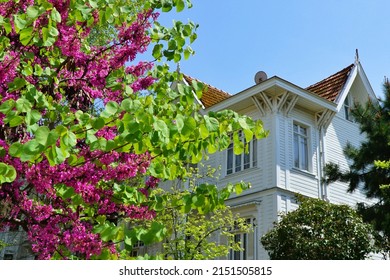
248	170
303	172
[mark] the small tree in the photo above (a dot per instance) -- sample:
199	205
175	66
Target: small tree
194	214
319	230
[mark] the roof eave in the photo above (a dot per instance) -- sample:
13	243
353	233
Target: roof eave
267	84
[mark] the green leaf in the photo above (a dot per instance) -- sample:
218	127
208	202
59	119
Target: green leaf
32	117
157	51
7	25
189	126
42	134
2	152
19	21
23	105
111	108
212	124
53	31
238	145
98	123
16	149
68	139
32	147
166	5
7	106
7	173
180	5
15	121
204	133
27	70
127	104
55	15
248	135
179	122
55	155
32	12
161	126
64	191
26	35
38	71
47	39
154	234
17	84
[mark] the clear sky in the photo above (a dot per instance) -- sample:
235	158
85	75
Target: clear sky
301	41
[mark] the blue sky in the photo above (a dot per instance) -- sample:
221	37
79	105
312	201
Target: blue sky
301	41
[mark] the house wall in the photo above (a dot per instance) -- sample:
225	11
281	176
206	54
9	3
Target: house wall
339	133
302	181
275	180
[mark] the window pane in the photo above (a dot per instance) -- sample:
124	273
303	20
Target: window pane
303	153
247	160
303	131
244	246
296	151
347	109
229	166
254	153
237	254
238	163
305	158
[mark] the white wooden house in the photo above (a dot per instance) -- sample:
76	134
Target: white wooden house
308	127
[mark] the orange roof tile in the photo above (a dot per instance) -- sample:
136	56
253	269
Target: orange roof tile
330	87
211	95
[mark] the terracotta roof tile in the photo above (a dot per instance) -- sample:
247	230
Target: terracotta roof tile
211	95
330	87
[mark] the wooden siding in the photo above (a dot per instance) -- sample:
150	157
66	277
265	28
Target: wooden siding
300	181
339	133
267	215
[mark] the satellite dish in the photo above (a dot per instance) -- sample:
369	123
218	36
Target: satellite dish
260	77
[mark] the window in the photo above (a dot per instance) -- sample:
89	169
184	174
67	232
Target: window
301	157
347	109
138	249
240	255
236	163
246	241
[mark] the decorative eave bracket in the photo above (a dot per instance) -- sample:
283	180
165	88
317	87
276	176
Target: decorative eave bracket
284	102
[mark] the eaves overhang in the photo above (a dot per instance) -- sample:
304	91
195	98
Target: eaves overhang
275	87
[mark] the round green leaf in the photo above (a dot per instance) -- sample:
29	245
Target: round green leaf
7	173
42	134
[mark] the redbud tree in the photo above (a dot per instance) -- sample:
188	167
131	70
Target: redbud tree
87	129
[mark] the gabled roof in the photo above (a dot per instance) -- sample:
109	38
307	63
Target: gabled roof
211	95
332	86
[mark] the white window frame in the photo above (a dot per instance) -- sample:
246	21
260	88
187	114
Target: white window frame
347	108
237	163
301	147
245	239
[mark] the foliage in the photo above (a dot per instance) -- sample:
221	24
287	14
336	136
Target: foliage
70	174
319	230
2	245
369	168
194	213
